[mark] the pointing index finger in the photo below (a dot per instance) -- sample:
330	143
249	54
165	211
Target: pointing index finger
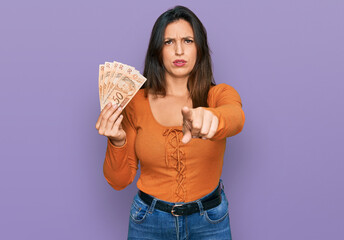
187	113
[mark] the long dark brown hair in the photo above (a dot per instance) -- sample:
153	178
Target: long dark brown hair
201	77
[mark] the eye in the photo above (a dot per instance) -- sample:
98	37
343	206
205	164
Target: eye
188	41
168	42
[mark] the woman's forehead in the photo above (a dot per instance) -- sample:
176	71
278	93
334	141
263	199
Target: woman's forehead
179	29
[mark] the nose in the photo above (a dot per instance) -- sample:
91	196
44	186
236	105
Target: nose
179	48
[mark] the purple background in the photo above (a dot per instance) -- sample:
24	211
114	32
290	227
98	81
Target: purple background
283	174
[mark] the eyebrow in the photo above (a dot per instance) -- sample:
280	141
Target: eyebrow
170	38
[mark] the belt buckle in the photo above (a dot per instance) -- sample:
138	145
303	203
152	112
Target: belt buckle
172	210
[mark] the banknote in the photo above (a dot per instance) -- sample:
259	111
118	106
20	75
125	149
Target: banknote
117	74
114	66
118	83
125	87
106	75
110	82
100	82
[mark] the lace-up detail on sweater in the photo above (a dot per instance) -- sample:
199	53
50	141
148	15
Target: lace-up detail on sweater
175	157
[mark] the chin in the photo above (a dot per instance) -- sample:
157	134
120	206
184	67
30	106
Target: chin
181	74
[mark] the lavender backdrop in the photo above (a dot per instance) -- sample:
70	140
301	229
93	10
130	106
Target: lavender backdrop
283	174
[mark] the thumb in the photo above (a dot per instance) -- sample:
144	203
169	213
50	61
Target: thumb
187	137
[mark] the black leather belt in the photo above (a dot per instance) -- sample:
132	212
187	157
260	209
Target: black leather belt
209	202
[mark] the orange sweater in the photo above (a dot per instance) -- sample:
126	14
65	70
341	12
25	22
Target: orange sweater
170	170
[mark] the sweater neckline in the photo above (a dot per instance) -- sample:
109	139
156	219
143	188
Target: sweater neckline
156	121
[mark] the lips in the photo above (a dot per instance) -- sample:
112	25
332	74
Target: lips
179	62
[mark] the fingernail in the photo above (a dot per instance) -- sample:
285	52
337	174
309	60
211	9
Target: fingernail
109	104
120	108
204	138
114	105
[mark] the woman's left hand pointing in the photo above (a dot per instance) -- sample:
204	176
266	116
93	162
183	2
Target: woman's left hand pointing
198	123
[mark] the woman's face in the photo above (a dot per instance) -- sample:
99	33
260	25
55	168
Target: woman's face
179	52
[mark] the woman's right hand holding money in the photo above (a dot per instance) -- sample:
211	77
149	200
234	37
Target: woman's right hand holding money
109	124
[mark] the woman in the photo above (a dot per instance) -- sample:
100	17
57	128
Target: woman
177	127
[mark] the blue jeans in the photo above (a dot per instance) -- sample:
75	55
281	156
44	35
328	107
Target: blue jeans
146	222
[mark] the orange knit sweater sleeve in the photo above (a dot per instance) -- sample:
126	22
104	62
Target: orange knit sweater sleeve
225	103
121	163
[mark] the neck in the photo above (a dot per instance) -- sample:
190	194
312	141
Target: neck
176	86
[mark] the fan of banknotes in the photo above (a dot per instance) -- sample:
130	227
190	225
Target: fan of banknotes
118	83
